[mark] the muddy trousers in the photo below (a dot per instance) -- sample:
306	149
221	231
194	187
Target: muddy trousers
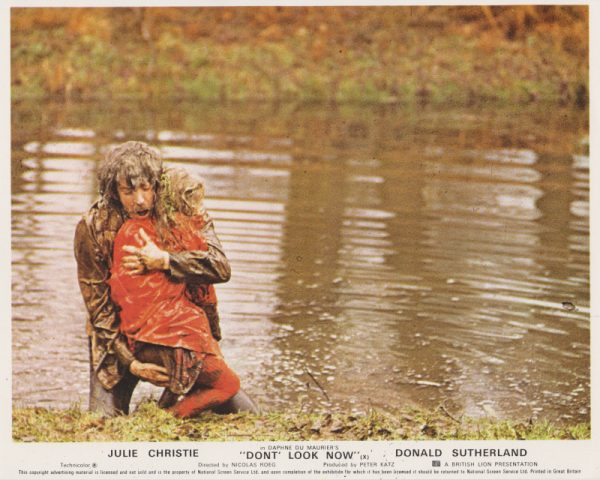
111	402
116	401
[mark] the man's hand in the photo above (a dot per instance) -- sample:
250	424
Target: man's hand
150	372
145	258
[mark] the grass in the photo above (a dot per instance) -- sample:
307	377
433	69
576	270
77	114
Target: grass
149	423
349	55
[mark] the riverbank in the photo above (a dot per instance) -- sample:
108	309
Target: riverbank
403	55
149	423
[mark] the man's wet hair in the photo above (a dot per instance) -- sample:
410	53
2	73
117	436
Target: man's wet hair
135	163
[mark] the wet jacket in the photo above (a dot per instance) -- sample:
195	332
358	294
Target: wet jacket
154	309
94	237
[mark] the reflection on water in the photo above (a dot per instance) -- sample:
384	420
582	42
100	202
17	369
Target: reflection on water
393	256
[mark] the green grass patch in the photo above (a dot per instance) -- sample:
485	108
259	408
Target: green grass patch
149	423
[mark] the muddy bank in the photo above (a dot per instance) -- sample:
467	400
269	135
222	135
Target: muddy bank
149	423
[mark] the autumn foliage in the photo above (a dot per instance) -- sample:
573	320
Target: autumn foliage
389	54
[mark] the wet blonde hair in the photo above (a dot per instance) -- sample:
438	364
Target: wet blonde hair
179	191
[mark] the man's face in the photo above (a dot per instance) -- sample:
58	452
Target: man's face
137	200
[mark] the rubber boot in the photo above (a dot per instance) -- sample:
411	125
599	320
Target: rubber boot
240	402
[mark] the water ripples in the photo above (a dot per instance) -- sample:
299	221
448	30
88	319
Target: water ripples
443	272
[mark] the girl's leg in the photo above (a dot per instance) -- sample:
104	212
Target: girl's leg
216	384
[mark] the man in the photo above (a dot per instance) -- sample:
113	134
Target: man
128	182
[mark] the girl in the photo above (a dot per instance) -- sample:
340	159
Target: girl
161	323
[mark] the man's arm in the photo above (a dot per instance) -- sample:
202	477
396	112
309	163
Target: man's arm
199	266
92	273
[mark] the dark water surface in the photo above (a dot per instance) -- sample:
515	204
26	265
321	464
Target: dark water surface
392	255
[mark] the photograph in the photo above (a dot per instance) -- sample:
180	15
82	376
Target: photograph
300	227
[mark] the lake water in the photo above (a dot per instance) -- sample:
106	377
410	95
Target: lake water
381	256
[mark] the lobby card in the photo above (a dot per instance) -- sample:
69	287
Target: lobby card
263	170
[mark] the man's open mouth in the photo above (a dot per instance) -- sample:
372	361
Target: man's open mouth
142	213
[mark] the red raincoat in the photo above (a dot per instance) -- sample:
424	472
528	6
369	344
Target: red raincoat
154	309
